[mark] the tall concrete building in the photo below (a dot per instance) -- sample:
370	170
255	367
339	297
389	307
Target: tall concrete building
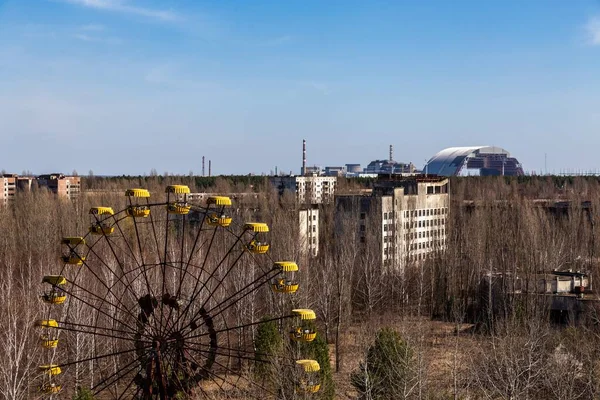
61	185
405	219
311	189
8	188
309	231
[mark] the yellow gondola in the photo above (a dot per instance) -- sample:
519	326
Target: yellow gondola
73	241
48	342
50	388
138	211
223	220
178	205
46	323
257	247
56	294
48	338
179	208
310	381
57	297
218	218
218	201
142	193
285	283
54	280
257	227
304	331
51	369
73	257
99	226
177	189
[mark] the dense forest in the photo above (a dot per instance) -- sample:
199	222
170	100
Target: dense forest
427	332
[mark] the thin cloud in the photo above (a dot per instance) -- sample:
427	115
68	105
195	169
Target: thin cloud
320	87
88	38
592	29
278	41
122	7
93	27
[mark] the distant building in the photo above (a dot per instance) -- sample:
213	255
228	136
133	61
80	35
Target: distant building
308	189
475	160
389	167
335	171
309	231
353	169
405	218
8	188
61	185
25	183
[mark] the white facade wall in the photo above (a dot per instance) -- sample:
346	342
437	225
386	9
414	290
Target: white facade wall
309	231
309	189
410	227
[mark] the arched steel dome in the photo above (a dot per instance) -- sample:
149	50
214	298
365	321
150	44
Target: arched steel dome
473	160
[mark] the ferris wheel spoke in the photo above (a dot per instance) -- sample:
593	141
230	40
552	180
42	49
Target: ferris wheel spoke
141	251
103	300
227	329
101	281
64	328
212	292
93	326
104	356
131	382
252	352
70	293
212	376
244	292
193	347
240	376
115	377
196	292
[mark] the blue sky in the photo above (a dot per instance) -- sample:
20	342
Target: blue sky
124	86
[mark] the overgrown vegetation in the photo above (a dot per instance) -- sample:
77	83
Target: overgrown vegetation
387	370
497	226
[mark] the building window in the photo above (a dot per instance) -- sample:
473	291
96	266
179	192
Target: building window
420	212
385	215
362	228
362	215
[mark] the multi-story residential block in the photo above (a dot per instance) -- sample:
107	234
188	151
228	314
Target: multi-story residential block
309	231
63	186
405	219
8	188
312	189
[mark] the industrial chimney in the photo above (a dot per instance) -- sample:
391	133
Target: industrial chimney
209	168
391	152
303	171
203	166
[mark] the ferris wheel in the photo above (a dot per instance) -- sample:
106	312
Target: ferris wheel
161	300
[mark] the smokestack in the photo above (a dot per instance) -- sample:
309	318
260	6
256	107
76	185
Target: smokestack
209	168
202	165
303	171
391	152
